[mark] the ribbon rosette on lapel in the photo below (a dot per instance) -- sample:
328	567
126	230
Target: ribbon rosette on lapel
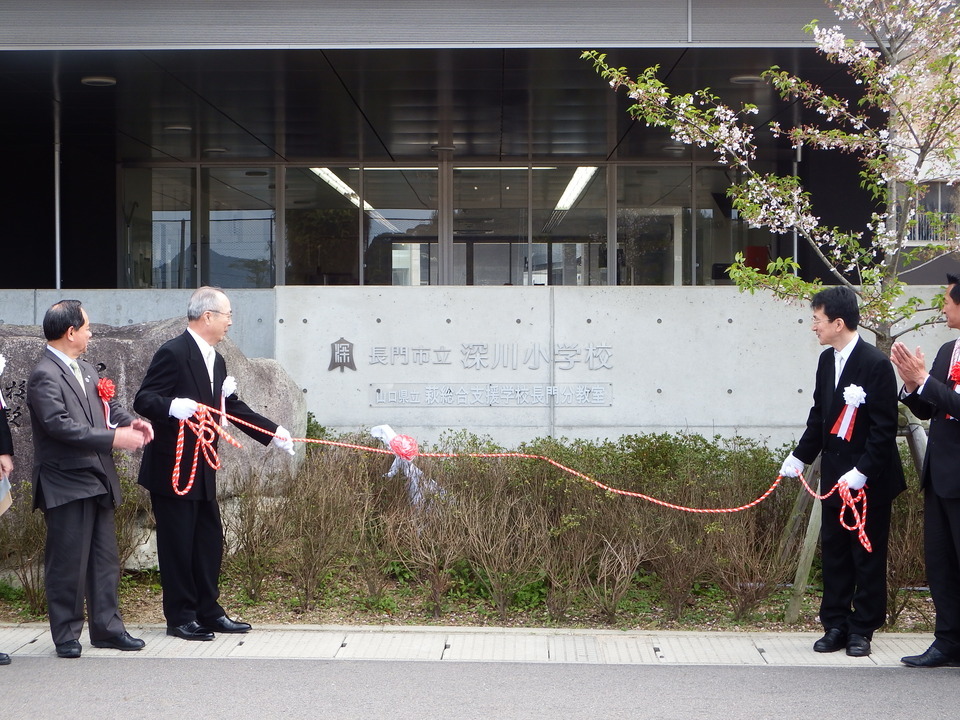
106	390
854	396
954	377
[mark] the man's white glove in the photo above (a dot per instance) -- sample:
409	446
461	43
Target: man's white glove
283	440
854	479
183	408
792	467
229	386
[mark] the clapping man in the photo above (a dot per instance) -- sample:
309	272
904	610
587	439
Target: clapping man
934	396
76	486
853	426
186	371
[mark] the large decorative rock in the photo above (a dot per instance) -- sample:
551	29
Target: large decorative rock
123	354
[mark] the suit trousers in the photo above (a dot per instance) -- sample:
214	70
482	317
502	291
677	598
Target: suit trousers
941	542
853	577
81	561
189	552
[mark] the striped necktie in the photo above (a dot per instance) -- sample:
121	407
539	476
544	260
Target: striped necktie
76	373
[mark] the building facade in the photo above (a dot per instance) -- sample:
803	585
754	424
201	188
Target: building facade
415	178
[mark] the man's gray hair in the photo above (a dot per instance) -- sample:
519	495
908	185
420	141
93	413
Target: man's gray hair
203	299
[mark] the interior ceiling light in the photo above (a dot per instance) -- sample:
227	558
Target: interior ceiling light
571	194
178	128
256	173
98	81
442	148
674	148
746	79
331	179
215	150
576	186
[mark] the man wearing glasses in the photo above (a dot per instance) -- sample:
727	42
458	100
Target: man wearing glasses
853	426
184	372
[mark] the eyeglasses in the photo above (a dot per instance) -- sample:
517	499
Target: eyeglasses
816	322
229	313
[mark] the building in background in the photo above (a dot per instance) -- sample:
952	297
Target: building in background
378	146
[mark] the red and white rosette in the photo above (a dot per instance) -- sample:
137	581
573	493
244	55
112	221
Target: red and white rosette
106	390
854	396
405	449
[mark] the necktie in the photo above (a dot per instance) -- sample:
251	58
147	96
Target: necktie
838	367
76	373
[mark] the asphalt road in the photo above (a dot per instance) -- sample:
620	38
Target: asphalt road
119	687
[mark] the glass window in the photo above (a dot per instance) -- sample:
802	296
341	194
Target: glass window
323	226
158	243
937	217
400	226
569	226
238	247
721	233
490	226
652	225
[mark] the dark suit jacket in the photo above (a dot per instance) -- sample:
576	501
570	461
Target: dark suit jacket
72	445
872	448
941	464
178	370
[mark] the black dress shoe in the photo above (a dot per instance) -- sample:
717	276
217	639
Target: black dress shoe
123	641
857	646
930	659
4	659
835	639
226	625
69	649
190	631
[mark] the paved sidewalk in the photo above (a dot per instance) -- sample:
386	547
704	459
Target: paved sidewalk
469	644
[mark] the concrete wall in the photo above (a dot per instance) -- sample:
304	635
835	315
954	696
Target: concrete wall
517	363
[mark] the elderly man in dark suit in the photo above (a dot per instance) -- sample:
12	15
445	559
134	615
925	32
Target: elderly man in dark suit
853	425
76	486
934	396
6	468
186	371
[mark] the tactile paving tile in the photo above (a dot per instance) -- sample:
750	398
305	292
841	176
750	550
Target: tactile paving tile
495	646
797	650
708	650
392	646
272	644
28	640
627	649
573	648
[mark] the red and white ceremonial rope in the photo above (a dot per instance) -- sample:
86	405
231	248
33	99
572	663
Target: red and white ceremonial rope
408	449
206	429
848	503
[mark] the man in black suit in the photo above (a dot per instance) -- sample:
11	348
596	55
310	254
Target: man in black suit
933	396
6	467
853	425
186	371
76	486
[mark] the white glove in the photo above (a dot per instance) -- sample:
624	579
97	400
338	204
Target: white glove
283	440
792	467
229	386
182	408
854	479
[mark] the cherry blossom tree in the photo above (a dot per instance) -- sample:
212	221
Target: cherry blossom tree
904	130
